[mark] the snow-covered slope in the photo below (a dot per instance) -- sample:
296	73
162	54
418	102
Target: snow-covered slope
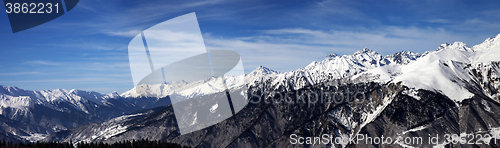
447	70
403	57
46	111
487	51
20	102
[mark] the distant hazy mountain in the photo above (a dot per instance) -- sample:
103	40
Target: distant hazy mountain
32	115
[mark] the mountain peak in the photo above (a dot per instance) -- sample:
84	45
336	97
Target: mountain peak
261	70
114	94
403	57
403	52
456	46
365	50
332	55
488	44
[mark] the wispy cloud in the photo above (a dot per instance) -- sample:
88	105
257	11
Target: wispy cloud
479	24
40	62
19	73
387	39
105	67
438	20
92	45
129	33
341	7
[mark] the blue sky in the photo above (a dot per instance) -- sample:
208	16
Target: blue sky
87	47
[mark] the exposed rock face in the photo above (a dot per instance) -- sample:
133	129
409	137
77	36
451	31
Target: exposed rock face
369	109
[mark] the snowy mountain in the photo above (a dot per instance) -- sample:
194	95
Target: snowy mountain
76	98
47	111
262	71
182	90
450	70
452	90
403	57
332	67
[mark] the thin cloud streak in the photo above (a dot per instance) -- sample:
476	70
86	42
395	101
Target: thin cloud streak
19	73
40	62
86	45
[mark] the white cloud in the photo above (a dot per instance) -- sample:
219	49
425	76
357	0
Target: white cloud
478	24
442	21
130	33
40	62
339	7
18	73
93	45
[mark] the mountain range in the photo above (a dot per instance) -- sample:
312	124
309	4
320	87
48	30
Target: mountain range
452	90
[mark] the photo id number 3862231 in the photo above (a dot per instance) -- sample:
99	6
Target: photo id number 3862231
32	7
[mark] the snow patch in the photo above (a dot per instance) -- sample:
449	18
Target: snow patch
33	137
195	117
415	129
214	108
486	106
412	93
